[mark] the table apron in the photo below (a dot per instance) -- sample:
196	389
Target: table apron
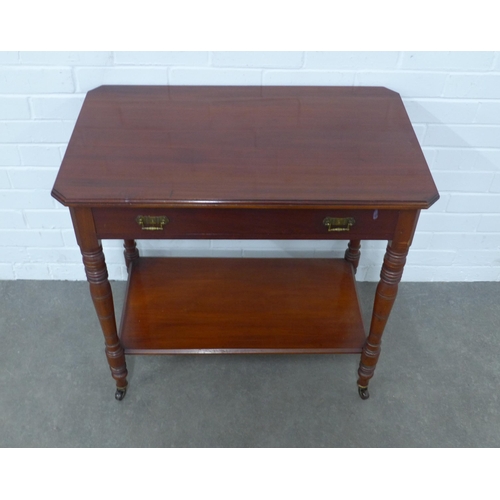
219	223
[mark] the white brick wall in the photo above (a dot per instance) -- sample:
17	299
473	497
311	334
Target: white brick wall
452	98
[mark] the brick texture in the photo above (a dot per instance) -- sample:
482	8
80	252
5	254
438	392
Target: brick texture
41	80
351	60
452	99
258	59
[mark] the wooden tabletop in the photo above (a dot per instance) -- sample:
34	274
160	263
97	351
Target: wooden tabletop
244	147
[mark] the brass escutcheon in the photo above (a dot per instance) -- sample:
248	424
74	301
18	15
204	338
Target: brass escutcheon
339	223
151	222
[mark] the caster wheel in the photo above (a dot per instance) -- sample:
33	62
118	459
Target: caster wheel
363	392
120	393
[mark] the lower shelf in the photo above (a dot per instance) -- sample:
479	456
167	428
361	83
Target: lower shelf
212	305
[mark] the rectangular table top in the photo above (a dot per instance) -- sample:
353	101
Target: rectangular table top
244	147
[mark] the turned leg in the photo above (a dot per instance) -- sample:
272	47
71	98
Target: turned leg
387	289
131	253
102	297
100	290
352	253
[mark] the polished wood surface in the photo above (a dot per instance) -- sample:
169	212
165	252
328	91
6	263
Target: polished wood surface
130	252
241	306
353	253
244	146
100	291
240	163
243	223
387	289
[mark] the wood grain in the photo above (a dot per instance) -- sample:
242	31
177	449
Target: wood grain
244	163
193	305
387	289
243	223
100	291
244	146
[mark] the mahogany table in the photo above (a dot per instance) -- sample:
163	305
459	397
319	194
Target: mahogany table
307	163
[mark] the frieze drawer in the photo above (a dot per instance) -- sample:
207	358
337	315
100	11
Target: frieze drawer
165	223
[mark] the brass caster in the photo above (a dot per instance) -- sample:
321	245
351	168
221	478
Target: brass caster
120	393
363	392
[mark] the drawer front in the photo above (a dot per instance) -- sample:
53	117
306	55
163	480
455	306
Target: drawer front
213	223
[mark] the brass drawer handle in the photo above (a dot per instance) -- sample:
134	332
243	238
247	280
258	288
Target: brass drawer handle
339	223
151	223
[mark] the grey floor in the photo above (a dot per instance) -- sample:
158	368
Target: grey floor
436	384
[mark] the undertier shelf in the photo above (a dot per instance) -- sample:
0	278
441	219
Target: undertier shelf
214	305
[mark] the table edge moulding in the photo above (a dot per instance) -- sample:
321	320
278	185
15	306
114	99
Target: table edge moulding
211	162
